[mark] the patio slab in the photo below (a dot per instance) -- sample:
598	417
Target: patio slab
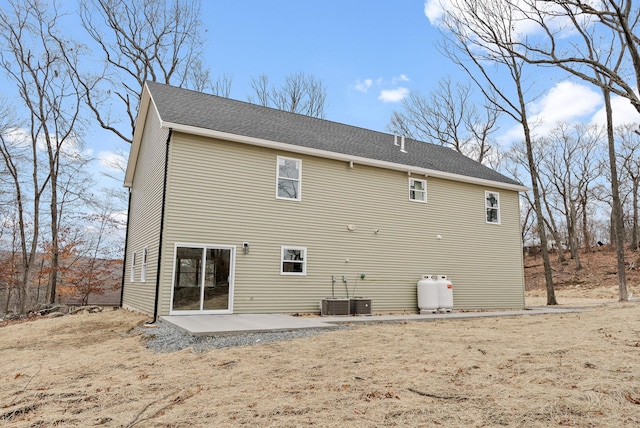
216	325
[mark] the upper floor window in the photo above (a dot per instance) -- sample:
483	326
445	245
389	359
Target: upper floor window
289	178
492	206
294	261
417	190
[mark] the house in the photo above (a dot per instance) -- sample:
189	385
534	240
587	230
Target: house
238	208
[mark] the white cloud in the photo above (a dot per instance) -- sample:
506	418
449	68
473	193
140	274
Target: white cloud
434	10
623	113
364	85
390	92
401	78
120	218
565	102
393	95
22	138
112	161
18	136
569	102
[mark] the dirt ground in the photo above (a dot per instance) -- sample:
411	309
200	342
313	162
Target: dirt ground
579	369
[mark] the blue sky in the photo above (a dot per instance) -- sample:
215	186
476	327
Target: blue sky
367	54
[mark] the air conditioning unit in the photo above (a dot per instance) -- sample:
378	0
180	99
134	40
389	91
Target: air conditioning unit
360	306
334	306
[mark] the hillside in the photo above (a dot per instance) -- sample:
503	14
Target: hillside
595	282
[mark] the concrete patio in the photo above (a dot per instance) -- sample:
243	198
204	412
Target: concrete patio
216	325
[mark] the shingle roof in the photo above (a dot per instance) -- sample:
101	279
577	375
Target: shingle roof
191	108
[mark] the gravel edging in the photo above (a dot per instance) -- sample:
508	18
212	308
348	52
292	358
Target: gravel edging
164	338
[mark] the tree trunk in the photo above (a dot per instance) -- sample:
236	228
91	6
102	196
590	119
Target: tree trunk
542	231
6	302
634	232
573	235
616	207
585	226
553	229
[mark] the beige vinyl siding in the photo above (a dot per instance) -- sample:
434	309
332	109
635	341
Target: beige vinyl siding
145	215
224	193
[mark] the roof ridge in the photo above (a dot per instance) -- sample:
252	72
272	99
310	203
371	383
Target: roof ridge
280	111
209	112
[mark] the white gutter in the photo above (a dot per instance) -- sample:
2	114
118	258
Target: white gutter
188	129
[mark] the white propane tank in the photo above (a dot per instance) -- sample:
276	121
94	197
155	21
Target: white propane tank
445	294
428	295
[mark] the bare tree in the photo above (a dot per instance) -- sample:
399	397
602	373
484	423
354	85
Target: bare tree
629	157
571	163
222	86
35	59
140	40
605	38
448	116
94	267
517	156
475	33
300	93
602	50
24	214
11	280
515	164
549	199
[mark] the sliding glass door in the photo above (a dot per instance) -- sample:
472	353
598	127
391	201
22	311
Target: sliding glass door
202	279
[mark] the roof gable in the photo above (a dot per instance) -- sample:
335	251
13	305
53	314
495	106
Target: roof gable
191	111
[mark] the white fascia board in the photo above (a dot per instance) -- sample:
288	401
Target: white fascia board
188	129
145	100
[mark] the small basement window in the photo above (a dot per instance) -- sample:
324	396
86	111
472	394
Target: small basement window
492	206
417	190
293	261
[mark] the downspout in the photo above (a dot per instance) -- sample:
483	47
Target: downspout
126	243
164	199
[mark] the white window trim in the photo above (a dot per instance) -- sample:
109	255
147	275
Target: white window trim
487	207
132	274
424	184
282	260
143	269
299	179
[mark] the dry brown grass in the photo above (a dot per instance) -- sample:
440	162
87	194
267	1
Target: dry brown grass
531	371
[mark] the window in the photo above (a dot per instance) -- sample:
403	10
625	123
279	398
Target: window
492	205
143	271
294	261
417	190
132	276
289	178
